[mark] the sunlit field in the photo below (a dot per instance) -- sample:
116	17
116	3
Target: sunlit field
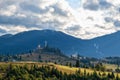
64	69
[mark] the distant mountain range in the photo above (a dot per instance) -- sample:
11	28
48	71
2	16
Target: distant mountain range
108	45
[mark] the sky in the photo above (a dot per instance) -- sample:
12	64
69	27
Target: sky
85	19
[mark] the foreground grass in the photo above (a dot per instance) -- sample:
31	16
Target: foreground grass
111	66
72	70
66	69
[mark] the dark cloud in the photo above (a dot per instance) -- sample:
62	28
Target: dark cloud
12	20
33	8
108	19
118	9
90	18
73	28
92	5
29	22
2	31
104	4
117	23
59	11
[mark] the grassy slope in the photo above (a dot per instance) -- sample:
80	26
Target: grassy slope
111	66
68	70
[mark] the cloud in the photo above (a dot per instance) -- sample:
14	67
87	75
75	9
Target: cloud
32	8
96	4
104	4
117	23
108	19
41	14
11	20
91	5
2	31
85	19
73	28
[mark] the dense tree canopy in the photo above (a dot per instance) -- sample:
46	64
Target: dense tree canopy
44	72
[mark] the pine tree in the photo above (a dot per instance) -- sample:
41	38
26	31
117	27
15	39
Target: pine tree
70	64
77	63
112	75
117	77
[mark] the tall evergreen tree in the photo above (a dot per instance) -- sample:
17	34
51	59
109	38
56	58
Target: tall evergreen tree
77	63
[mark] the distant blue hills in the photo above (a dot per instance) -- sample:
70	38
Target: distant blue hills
108	45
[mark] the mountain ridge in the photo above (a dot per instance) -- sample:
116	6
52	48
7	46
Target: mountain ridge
29	40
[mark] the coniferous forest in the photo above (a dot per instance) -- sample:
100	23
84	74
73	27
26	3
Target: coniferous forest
49	72
17	67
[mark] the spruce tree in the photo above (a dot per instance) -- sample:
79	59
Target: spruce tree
77	63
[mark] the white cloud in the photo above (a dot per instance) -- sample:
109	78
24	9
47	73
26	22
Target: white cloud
10	10
86	19
97	21
13	29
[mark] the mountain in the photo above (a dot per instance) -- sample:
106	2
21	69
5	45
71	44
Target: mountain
23	42
103	46
29	40
108	45
5	36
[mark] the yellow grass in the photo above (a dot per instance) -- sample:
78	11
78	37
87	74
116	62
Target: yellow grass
67	69
110	66
72	70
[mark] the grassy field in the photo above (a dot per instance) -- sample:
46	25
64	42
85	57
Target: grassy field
111	66
72	70
67	69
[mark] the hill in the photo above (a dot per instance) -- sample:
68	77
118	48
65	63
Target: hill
50	71
107	45
46	54
29	40
23	42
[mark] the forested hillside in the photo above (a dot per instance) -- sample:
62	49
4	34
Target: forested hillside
44	71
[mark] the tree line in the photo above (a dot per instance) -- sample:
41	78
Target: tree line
44	72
